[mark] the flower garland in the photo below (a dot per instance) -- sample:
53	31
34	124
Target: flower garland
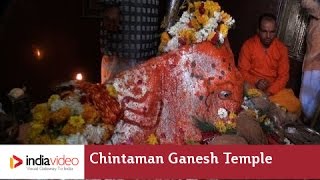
226	121
68	119
203	21
225	124
250	107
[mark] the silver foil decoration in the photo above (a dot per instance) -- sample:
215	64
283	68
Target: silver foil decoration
172	14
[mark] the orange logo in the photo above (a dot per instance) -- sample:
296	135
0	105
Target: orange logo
14	164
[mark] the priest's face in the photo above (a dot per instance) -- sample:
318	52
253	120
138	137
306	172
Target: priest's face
267	32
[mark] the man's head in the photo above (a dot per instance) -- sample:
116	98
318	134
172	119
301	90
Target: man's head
267	29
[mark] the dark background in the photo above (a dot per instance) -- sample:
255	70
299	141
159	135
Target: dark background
69	41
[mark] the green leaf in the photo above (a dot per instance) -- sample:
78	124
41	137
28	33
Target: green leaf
203	125
231	131
190	142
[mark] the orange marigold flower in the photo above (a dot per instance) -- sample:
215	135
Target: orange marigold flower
61	115
195	24
69	129
202	19
90	114
165	37
225	16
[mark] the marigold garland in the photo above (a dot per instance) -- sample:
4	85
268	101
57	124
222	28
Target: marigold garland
68	121
202	21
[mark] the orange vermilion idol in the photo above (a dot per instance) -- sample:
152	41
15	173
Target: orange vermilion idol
162	96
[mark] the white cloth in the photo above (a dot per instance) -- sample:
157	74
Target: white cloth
310	92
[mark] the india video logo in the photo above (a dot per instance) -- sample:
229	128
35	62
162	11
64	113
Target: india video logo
15	161
57	161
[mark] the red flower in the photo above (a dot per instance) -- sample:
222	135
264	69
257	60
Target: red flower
182	41
202	10
215	39
208	136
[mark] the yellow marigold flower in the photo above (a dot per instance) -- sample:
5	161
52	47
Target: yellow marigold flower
211	7
187	35
196	15
76	121
263	118
220	126
90	114
40	113
195	24
58	141
35	130
41	117
253	92
232	115
53	98
44	139
191	7
61	115
224	30
109	128
202	19
225	16
152	139
112	91
197	4
231	125
40	108
37	127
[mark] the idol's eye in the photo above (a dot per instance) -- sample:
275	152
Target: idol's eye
225	94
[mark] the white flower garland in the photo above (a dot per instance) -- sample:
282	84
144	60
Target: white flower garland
201	35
